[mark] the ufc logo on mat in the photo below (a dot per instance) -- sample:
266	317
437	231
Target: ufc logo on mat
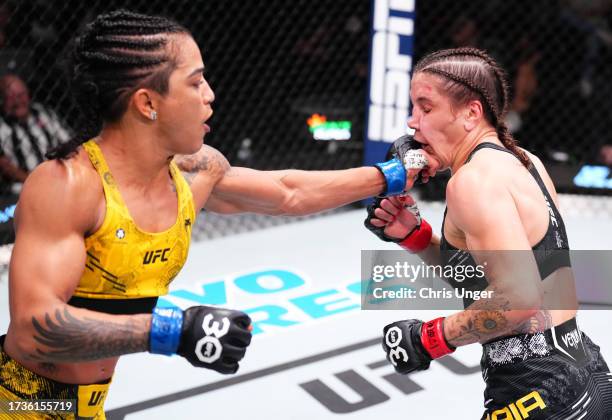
209	348
393	338
520	409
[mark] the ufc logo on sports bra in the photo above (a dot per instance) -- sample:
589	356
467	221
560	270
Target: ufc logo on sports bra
553	219
151	257
520	409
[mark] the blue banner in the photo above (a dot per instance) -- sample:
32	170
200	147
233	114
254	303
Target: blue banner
391	49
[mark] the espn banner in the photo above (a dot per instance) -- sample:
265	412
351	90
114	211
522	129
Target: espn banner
391	51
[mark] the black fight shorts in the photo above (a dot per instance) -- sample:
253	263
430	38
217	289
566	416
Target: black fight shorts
555	374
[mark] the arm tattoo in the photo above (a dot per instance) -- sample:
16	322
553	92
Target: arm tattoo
219	162
65	337
540	321
484	320
48	367
206	160
193	163
485	325
477	325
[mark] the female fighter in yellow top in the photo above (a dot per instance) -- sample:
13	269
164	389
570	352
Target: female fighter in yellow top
104	226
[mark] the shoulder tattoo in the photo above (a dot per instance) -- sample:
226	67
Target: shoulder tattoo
208	160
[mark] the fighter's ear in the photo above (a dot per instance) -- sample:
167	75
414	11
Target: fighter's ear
145	102
473	113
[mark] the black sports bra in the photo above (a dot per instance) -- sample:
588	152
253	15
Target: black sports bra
547	255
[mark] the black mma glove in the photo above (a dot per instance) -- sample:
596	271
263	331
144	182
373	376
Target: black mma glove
412	344
380	231
208	337
415	240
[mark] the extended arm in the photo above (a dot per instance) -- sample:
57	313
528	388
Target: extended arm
290	192
296	192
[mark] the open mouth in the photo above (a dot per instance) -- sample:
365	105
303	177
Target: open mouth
205	125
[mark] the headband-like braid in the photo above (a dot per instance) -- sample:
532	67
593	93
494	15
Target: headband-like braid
470	52
499	74
467	83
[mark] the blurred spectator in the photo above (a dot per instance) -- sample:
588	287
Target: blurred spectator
605	154
524	84
590	18
27	130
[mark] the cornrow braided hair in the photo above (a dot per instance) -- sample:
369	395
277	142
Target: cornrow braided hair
118	53
473	74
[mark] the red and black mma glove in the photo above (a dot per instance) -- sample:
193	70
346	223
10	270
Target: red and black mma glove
208	337
397	162
415	241
412	344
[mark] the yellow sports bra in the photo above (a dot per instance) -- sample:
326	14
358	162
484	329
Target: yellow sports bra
123	262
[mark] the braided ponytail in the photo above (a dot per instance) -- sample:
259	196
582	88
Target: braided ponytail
509	143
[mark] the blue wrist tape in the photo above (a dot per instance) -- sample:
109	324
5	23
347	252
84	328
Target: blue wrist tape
165	334
395	175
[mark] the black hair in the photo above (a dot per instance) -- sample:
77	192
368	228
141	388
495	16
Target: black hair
118	53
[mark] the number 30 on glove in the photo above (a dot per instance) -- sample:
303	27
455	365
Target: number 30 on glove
208	337
412	344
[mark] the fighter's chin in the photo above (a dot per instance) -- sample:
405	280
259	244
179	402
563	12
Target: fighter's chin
193	147
198	146
442	168
437	165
